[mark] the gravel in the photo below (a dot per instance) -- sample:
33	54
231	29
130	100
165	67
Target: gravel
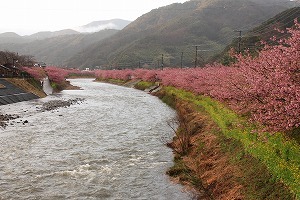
48	106
4	119
55	104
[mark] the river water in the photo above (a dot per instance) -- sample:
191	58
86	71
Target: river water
107	147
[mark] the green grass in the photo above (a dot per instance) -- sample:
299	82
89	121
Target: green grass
258	181
113	81
142	85
179	169
280	154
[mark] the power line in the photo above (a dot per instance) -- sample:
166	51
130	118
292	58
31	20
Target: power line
240	39
281	18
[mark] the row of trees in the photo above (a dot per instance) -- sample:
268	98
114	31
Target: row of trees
12	58
55	74
266	87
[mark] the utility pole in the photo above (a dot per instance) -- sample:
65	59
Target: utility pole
162	61
240	39
196	56
181	60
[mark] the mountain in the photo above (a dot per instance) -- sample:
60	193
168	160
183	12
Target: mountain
13	38
49	34
169	33
56	47
56	50
173	31
96	26
250	40
10	36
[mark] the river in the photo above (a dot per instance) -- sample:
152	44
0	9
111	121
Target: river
107	147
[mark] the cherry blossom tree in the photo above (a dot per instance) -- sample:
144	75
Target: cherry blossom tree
266	87
37	73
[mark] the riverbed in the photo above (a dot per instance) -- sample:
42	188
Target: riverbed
108	146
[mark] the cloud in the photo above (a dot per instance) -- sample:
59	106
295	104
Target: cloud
93	29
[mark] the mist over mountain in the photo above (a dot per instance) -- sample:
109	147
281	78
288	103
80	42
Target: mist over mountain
56	50
173	31
56	47
13	38
96	26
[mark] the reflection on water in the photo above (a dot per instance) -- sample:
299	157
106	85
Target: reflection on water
108	147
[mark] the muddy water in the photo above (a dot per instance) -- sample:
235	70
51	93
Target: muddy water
108	147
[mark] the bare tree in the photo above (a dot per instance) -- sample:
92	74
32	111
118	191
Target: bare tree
14	59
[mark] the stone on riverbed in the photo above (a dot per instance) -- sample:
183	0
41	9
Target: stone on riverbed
55	104
4	119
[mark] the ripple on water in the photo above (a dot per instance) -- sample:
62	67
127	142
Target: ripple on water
108	147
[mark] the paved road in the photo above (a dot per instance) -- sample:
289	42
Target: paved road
12	94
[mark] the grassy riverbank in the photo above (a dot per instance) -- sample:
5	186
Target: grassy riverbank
226	156
222	155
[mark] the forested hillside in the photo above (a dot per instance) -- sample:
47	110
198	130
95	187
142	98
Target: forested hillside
174	31
251	40
56	50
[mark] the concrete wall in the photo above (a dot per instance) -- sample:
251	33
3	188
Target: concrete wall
12	94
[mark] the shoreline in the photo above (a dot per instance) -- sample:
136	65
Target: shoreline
33	87
207	161
214	164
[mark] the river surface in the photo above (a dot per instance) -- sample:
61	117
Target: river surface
107	147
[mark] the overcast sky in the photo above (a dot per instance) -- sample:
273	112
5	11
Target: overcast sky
30	16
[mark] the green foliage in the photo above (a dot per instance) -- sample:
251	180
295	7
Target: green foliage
250	41
279	154
54	85
84	75
295	134
113	81
179	168
142	85
258	180
170	100
35	83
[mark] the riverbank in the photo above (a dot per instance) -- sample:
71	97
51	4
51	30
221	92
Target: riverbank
95	150
219	154
223	156
29	85
210	160
34	87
